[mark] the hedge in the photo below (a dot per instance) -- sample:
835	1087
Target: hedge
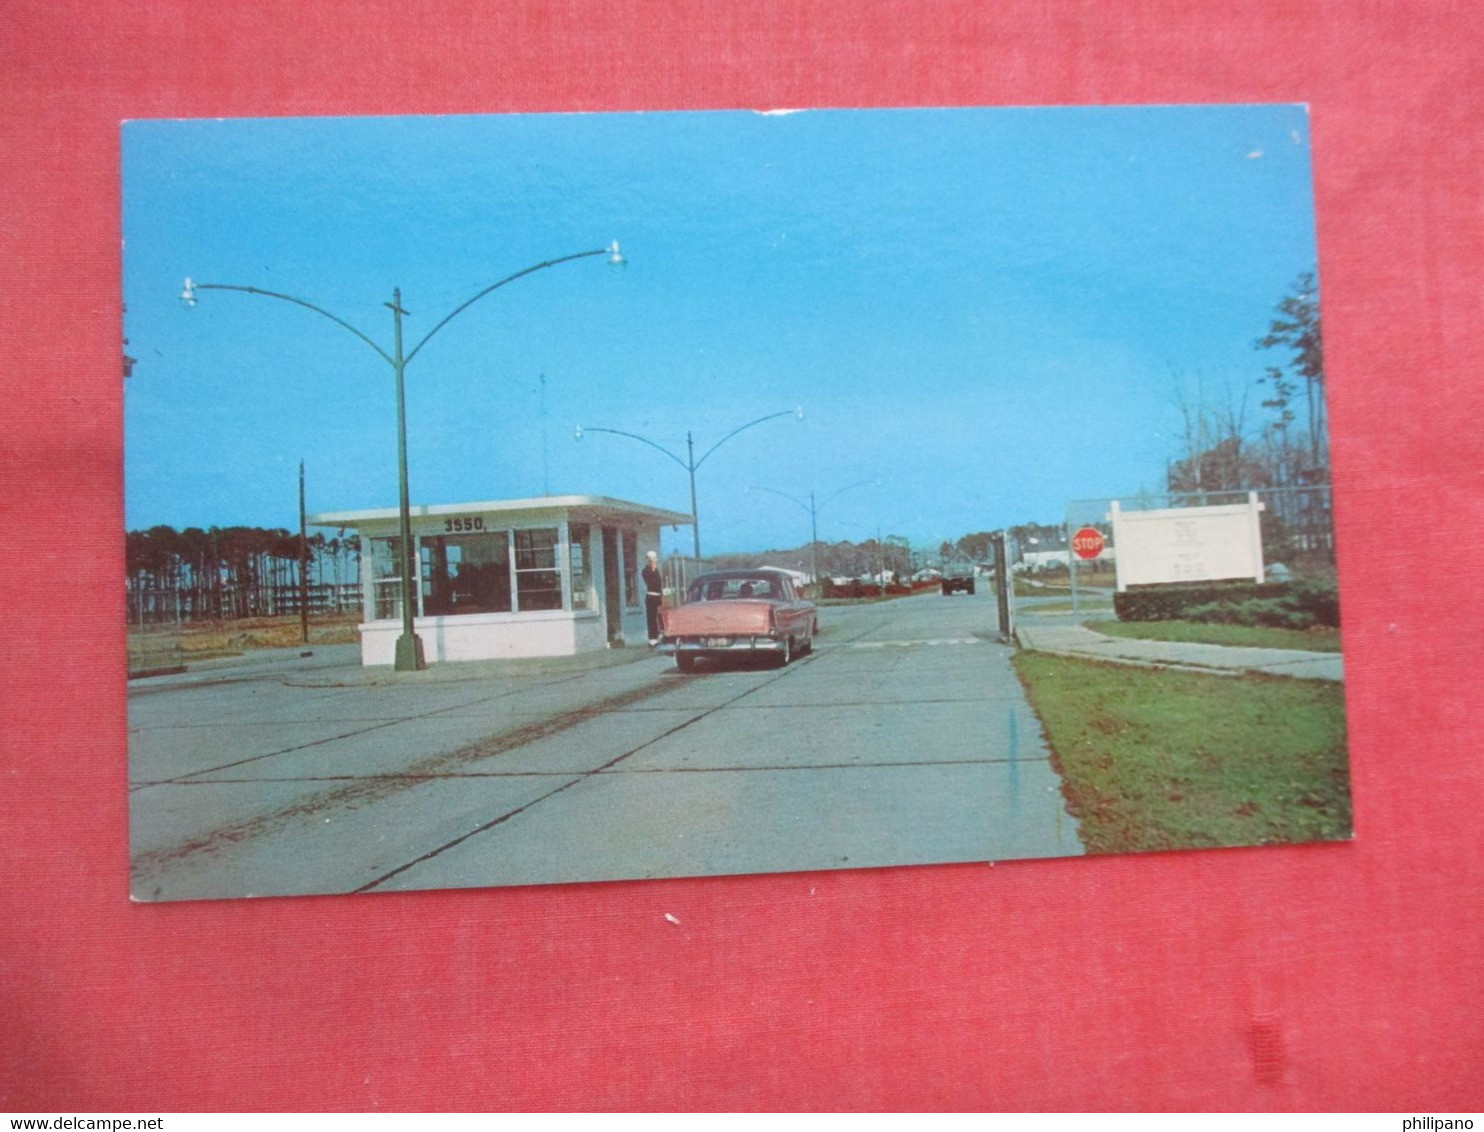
1297	605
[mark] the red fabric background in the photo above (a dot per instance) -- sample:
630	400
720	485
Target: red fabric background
1338	976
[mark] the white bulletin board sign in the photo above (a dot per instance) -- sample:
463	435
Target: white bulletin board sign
1188	544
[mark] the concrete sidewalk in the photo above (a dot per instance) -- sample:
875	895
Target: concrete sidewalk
340	666
1070	639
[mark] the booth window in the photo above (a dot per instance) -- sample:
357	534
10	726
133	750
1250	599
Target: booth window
579	548
466	574
538	582
631	569
386	579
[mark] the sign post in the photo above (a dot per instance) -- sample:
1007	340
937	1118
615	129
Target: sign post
1004	598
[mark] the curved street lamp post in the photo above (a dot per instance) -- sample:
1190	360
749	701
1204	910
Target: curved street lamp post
814	508
690	463
409	655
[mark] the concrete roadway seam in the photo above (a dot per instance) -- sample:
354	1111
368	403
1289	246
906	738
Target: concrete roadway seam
581	777
184	779
371	789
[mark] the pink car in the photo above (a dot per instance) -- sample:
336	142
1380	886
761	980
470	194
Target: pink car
739	613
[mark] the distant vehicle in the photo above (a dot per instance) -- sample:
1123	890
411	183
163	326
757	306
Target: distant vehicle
959	578
737	613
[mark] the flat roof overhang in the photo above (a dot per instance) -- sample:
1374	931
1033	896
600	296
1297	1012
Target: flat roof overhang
585	506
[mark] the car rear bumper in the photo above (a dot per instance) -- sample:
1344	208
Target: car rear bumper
719	646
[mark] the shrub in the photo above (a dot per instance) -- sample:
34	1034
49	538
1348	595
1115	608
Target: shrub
1277	613
1214	613
852	588
1172	603
1319	596
1301	605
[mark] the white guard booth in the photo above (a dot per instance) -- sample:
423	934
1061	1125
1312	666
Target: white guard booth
553	576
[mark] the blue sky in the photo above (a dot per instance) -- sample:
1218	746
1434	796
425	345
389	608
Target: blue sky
987	310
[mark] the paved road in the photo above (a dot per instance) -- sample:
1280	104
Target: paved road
905	738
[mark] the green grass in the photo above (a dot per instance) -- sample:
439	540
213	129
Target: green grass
1196	632
1084	605
1063	585
1175	760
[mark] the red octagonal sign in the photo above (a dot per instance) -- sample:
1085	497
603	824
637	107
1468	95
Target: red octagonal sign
1088	542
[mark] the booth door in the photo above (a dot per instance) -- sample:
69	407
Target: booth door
612	585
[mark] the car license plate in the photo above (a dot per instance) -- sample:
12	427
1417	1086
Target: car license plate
718	642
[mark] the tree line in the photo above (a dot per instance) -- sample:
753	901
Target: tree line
843	559
1287	445
1282	449
893	553
229	572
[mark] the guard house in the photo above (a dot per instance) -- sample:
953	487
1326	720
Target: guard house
553	576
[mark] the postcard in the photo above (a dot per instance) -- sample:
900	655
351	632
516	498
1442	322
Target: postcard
552	498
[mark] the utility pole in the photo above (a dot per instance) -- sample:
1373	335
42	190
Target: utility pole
690	463
545	462
695	516
409	650
303	564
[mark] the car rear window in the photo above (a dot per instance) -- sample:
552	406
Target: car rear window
734	589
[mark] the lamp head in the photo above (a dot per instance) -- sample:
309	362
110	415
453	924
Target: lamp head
578	434
188	295
615	257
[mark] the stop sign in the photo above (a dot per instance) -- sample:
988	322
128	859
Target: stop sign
1088	542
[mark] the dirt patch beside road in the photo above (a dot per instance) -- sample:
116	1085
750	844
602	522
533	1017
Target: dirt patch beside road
202	640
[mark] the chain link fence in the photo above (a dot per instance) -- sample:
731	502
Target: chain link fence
150	606
158	618
1297	523
679	572
154	620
